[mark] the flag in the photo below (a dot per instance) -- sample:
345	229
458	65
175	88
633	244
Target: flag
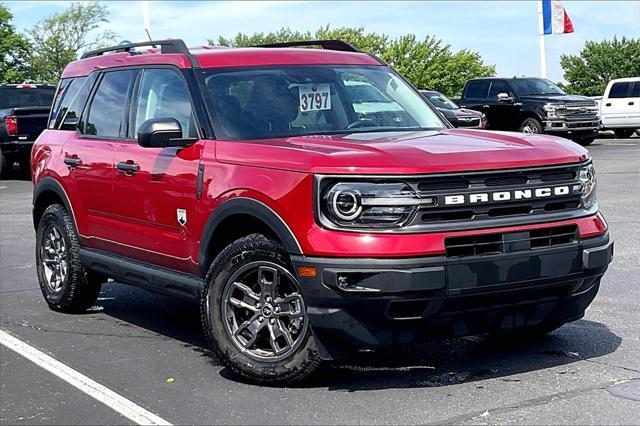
555	18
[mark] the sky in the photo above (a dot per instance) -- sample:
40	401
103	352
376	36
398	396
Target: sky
503	32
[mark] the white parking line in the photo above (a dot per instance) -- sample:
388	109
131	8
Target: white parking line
92	388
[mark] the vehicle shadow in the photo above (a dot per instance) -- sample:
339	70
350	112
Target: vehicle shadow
431	364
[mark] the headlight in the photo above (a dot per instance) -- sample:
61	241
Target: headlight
587	177
369	204
555	110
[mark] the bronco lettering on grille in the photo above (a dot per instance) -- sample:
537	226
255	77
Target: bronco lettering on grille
518	194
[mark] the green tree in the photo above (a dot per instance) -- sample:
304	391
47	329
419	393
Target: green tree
427	63
61	36
14	50
589	72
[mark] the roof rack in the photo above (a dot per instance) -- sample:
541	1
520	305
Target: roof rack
340	45
166	46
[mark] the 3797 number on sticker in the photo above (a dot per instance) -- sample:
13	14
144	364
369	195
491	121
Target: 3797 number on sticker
314	97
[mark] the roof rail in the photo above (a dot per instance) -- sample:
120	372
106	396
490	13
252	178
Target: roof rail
166	46
340	45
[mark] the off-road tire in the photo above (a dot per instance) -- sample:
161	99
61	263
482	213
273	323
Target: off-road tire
293	368
585	141
80	288
624	133
534	124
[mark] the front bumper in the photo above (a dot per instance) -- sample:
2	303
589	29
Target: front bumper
356	304
582	127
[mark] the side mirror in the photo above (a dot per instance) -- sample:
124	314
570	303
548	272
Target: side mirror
504	97
70	123
162	133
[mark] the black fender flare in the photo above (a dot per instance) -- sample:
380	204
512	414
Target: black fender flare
534	110
247	206
49	184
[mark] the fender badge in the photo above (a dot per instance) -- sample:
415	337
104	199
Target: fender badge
182	216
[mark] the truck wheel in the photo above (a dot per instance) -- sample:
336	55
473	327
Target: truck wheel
254	316
65	283
531	125
585	141
623	133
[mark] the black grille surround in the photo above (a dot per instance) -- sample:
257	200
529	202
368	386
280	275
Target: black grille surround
441	217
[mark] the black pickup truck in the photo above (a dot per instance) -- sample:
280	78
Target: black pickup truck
24	112
532	105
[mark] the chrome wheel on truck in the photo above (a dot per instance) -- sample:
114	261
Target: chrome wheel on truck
54	258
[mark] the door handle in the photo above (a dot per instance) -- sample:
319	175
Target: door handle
607	104
72	161
128	167
631	103
485	106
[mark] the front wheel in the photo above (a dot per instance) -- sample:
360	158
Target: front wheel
585	141
531	125
254	316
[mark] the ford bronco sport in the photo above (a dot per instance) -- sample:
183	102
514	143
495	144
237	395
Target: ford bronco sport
306	226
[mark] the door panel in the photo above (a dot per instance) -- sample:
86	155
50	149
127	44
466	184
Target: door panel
621	106
155	188
501	115
147	204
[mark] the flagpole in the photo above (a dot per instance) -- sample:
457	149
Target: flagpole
145	18
543	56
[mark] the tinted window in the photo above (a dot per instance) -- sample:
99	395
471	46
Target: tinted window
535	86
619	90
498	86
71	93
635	91
163	94
14	97
109	103
477	89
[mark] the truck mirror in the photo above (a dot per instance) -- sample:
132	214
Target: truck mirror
504	97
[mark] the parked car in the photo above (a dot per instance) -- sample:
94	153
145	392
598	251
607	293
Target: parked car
24	110
620	106
246	180
458	117
532	105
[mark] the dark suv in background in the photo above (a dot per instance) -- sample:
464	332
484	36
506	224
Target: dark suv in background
24	111
458	117
532	105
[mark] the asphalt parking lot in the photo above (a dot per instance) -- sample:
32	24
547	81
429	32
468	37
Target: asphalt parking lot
150	349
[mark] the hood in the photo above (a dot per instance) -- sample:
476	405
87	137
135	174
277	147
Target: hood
447	150
557	98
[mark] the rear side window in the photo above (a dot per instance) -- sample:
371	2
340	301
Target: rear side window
619	90
164	94
498	86
70	100
477	89
635	91
107	108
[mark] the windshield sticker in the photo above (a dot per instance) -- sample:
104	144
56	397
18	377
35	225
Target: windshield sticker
314	97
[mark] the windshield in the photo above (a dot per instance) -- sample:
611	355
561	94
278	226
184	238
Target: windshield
440	101
270	102
13	97
535	86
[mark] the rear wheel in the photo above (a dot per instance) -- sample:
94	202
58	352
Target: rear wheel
623	133
66	285
254	315
531	125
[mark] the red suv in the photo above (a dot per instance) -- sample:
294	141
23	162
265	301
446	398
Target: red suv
308	223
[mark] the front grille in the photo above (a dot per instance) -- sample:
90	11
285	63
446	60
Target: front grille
498	243
472	184
473	122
